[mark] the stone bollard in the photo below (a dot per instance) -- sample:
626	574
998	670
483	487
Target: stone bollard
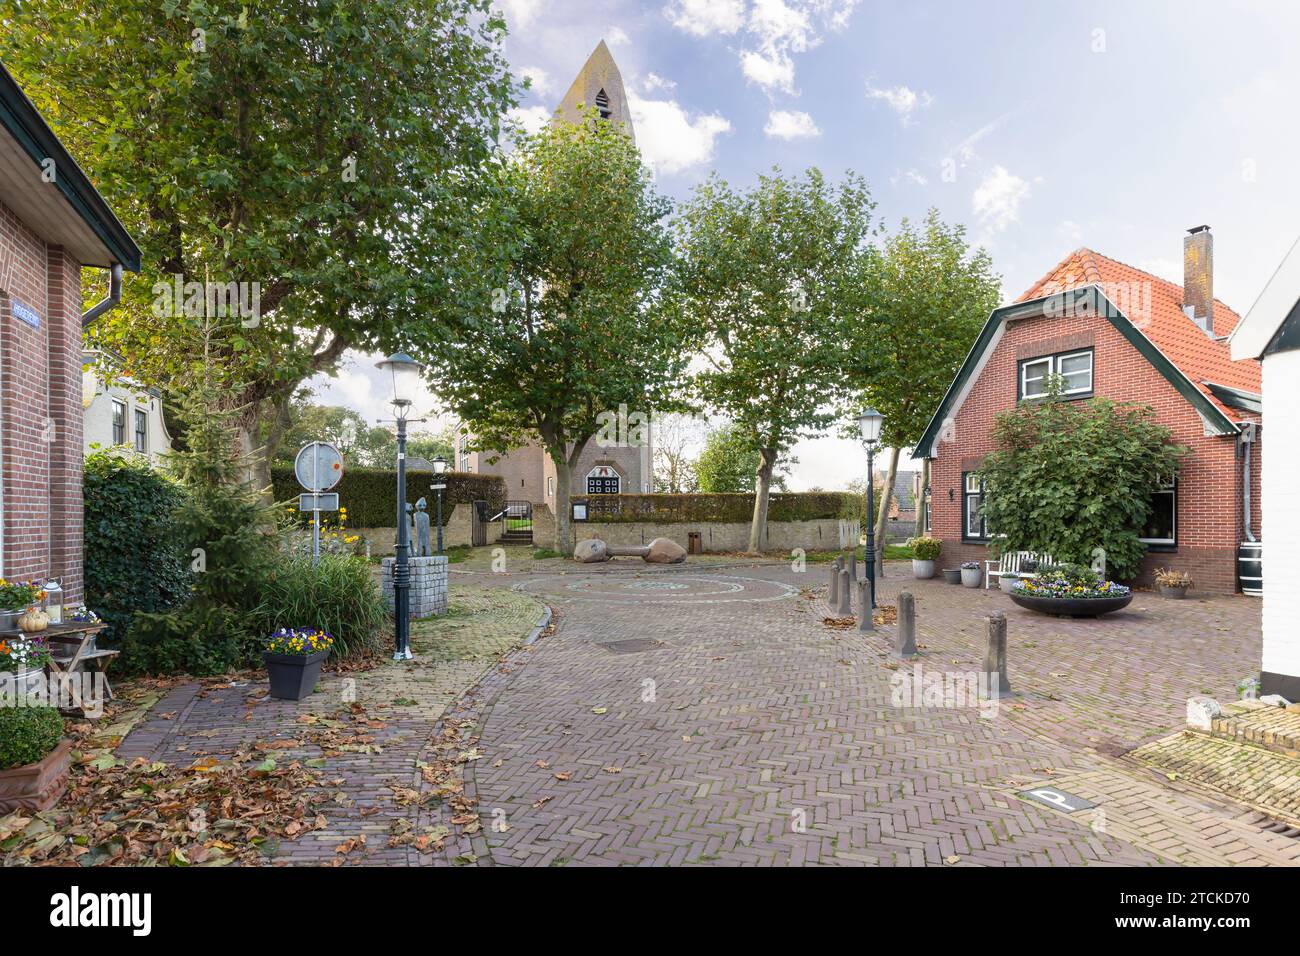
905	641
995	658
866	618
853	566
845	607
833	597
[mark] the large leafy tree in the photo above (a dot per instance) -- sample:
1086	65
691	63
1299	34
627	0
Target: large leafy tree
558	317
769	273
729	462
928	295
313	147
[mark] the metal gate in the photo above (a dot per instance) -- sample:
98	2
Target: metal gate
479	525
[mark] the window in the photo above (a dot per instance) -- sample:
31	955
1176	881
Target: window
974	527
550	486
602	105
602	486
141	431
1075	368
119	423
925	507
1162	525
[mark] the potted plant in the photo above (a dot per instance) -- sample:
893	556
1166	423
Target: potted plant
971	574
1173	584
1070	590
293	659
952	575
16	599
33	758
925	551
25	658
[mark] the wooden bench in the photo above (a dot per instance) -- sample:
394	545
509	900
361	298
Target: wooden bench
1008	566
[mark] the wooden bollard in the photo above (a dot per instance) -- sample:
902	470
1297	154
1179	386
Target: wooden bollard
905	642
845	607
866	617
833	597
995	658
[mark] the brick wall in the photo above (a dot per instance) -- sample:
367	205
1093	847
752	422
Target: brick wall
1209	486
40	410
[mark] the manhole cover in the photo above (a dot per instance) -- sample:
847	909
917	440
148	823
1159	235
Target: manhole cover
633	646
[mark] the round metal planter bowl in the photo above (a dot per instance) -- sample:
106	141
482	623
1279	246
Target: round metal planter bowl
1072	607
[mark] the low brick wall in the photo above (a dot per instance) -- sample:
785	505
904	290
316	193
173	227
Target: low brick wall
428	585
826	534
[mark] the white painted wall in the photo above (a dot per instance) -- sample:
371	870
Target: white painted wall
1281	514
97	400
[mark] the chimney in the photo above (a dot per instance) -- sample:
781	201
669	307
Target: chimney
1198	277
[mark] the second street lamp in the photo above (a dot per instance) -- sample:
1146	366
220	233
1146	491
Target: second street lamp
439	485
404	374
870	422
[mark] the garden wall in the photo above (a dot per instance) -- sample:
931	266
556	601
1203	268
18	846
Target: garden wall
822	534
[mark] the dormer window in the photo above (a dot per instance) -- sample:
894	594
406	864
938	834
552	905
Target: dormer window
602	105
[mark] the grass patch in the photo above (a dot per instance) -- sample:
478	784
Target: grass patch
543	554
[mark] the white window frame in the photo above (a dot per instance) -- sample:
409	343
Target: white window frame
140	438
550	486
112	421
1053	363
1024	379
591	475
967	493
1172	490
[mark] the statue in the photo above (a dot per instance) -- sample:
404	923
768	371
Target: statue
422	549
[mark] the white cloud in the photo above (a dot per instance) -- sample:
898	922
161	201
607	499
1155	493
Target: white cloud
532	118
360	386
913	177
1071	230
617	36
902	100
653	83
671	140
770	71
997	199
790	124
703	17
539	78
520	13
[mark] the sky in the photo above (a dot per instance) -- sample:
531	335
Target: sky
1041	125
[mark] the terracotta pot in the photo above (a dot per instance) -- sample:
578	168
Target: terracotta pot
36	786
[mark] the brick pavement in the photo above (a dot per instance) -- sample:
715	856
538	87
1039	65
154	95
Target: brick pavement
755	734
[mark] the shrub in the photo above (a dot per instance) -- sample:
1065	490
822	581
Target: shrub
370	494
133	557
926	549
337	596
733	508
28	735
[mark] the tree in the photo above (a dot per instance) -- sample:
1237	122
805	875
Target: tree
928	295
430	444
558	319
298	155
768	275
729	462
675	436
1075	479
359	442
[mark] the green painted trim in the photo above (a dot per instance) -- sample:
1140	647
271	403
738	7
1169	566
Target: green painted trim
22	120
1236	398
1071	299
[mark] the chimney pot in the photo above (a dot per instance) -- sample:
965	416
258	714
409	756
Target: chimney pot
1198	277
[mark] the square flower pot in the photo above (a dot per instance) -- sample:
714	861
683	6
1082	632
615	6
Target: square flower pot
36	786
293	676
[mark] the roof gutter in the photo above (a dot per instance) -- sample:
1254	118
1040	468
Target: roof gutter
113	298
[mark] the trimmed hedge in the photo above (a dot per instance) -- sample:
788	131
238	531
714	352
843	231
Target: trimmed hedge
726	508
369	494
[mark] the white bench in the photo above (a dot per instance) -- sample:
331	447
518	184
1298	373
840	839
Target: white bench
1008	566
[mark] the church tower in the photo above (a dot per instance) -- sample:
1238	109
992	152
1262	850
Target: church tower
600	85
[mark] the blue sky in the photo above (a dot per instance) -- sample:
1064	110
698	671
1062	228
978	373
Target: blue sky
1042	126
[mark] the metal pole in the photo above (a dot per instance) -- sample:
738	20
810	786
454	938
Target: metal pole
440	519
871	523
401	564
315	533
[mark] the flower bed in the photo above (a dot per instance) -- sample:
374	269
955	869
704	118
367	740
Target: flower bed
1070	591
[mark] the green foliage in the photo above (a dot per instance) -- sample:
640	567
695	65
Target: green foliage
925	548
337	596
558	316
133	558
370	494
727	508
28	735
1069	477
770	275
729	463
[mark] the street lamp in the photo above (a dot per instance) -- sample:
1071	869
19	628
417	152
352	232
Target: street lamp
404	374
439	484
870	423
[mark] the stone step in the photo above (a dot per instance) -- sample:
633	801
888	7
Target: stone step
1264	725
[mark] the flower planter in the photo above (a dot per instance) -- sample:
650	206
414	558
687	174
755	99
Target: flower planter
1008	581
1072	607
293	676
922	569
21	684
9	620
952	575
970	577
36	786
1176	594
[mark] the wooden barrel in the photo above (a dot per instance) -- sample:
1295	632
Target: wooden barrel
1250	567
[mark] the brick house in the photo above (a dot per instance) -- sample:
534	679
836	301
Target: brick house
52	225
1115	331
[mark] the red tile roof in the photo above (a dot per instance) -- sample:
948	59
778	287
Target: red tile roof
1155	307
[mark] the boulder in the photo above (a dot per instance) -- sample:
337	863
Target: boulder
665	551
1201	712
591	551
1274	700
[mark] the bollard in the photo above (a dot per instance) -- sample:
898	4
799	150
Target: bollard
866	620
853	566
995	658
905	641
845	607
834	596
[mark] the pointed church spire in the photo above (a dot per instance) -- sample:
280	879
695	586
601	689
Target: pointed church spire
599	85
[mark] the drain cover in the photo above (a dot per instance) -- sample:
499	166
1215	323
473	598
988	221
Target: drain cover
632	646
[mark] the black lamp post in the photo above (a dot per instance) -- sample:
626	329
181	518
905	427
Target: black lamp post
870	422
439	485
404	372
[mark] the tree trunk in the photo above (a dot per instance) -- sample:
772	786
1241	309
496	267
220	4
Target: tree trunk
921	501
563	527
763	485
882	523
